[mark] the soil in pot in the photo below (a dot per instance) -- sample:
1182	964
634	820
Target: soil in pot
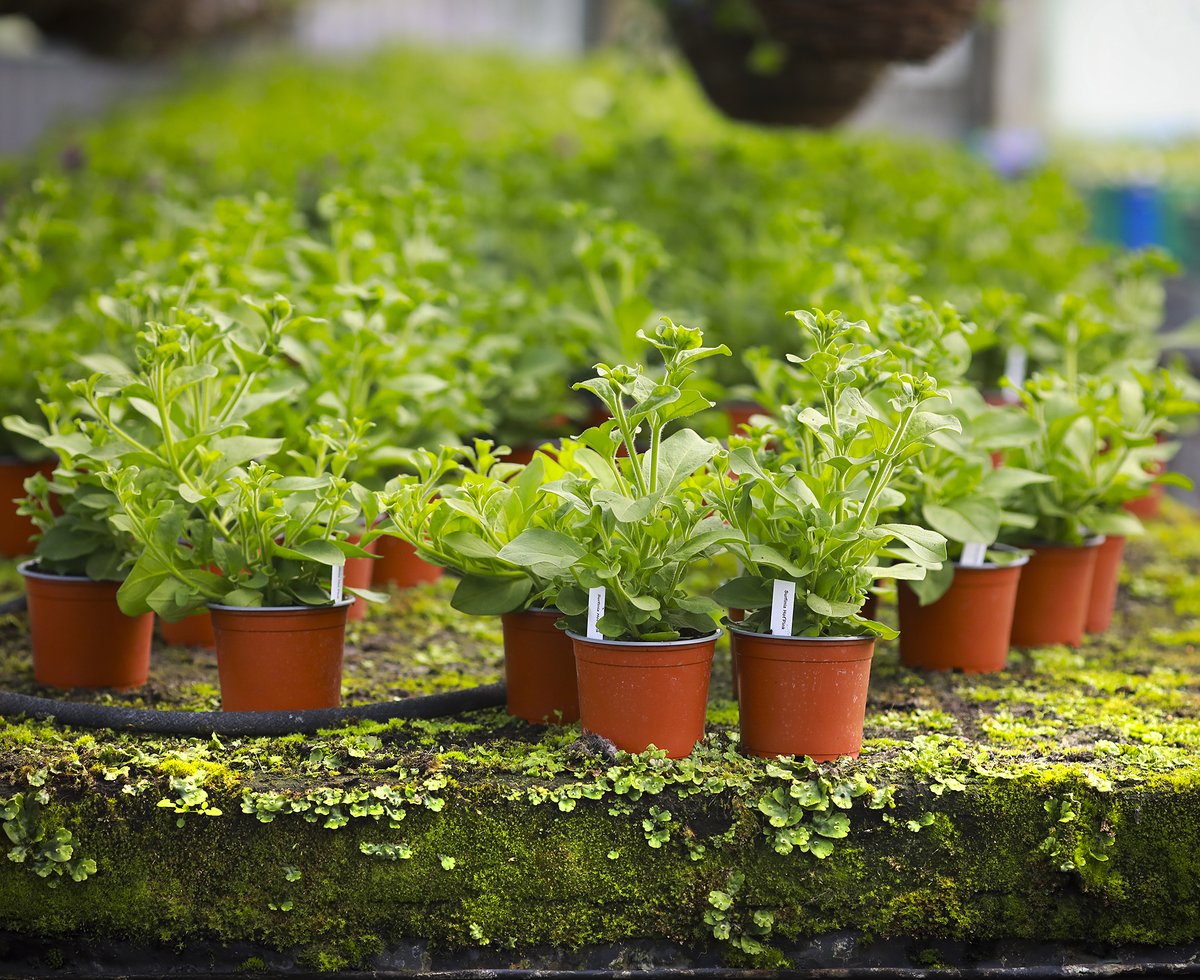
359	574
1053	595
15	530
968	628
1103	599
399	565
191	631
539	668
642	694
79	635
280	659
802	695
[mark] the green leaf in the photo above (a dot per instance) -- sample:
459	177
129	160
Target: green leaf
926	545
679	456
325	552
240	449
481	595
543	551
829	607
745	592
966	519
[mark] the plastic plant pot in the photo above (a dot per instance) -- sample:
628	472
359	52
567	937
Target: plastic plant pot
1103	599
398	564
1054	593
80	636
359	574
281	658
739	414
801	695
15	530
539	668
191	631
638	694
969	627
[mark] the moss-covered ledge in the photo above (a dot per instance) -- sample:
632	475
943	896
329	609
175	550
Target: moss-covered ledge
1059	801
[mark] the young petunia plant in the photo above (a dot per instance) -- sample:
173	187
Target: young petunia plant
805	500
169	442
637	511
461	508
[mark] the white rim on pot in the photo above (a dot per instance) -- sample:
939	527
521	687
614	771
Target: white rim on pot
649	643
26	568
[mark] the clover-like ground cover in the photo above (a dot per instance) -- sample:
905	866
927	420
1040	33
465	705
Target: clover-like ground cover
1058	801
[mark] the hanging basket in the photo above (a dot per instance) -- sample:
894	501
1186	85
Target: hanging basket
145	28
882	30
813	92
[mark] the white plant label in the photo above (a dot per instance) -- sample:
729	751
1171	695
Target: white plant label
783	607
1016	362
338	584
595	612
974	554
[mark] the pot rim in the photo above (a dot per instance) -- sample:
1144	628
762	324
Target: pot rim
657	644
26	568
734	628
1091	542
341	603
992	565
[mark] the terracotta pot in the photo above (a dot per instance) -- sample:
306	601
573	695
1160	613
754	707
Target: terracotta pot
539	668
399	565
802	695
1053	595
1103	599
968	628
15	530
359	573
192	631
80	636
642	694
740	413
1147	507
280	658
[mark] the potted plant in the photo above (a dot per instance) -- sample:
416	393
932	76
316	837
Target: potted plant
215	527
959	616
461	508
1138	416
805	507
1083	441
79	634
382	355
631	527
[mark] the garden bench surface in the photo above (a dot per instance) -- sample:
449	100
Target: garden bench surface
1056	803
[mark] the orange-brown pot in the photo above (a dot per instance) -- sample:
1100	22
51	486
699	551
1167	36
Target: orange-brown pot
398	564
191	631
359	573
739	414
801	695
1147	507
15	530
280	658
641	694
1053	595
539	668
1103	599
968	628
80	636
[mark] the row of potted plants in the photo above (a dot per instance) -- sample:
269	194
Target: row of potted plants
161	489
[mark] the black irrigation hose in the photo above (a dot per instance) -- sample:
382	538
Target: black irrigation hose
247	723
